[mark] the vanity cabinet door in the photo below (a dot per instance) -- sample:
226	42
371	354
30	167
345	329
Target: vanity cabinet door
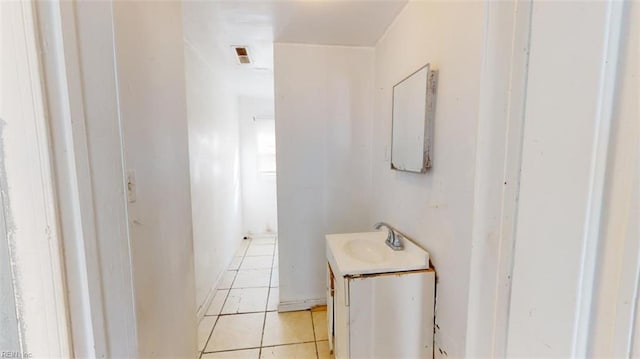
391	315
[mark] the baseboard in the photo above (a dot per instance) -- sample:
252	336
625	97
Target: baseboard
261	235
300	304
202	310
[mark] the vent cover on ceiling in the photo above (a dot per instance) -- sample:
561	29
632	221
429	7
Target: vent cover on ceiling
242	54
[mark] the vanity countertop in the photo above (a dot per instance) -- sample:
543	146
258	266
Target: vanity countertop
352	254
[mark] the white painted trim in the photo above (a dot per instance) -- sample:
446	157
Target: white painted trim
300	304
96	242
497	178
73	177
593	217
202	309
615	294
29	200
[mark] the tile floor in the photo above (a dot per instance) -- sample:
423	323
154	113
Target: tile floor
242	320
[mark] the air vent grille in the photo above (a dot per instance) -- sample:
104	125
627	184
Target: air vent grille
242	54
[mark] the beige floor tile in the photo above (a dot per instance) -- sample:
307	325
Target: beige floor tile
293	351
320	325
323	350
275	278
240	331
235	263
287	328
217	302
260	250
246	300
257	262
204	329
227	279
252	278
274	299
235	354
264	240
242	249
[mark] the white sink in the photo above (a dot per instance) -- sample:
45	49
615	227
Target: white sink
367	253
366	250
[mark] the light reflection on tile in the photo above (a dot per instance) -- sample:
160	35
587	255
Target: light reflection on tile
246	290
246	300
292	351
287	328
239	331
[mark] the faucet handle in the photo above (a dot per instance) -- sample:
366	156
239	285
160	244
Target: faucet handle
395	241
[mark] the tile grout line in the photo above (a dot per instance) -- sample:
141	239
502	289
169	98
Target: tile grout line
223	303
267	346
220	314
315	338
264	322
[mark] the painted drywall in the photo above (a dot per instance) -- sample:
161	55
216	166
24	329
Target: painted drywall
34	313
82	103
215	84
323	104
151	95
434	209
8	318
215	171
497	174
565	155
615	294
259	202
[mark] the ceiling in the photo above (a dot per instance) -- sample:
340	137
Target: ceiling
327	22
213	27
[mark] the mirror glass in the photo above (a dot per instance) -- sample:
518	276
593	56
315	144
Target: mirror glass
413	102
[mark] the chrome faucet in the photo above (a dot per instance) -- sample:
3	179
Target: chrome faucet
394	239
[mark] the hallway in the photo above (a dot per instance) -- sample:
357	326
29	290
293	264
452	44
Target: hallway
242	320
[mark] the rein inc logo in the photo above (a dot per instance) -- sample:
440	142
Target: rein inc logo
6	354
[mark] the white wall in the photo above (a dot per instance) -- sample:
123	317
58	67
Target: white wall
215	170
151	89
34	316
323	125
556	198
561	238
616	281
82	99
497	174
259	202
435	209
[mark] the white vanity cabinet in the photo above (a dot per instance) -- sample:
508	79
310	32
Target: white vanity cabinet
381	315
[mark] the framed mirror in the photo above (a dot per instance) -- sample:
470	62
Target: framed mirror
412	117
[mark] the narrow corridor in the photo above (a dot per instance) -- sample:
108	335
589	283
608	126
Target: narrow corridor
242	320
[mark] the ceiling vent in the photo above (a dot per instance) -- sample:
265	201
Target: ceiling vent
242	54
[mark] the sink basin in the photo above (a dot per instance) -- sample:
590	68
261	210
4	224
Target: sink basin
352	254
366	250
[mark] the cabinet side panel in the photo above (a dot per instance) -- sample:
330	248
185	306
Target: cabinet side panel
330	306
392	316
341	320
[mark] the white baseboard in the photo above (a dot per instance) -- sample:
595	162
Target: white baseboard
261	235
202	310
300	304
